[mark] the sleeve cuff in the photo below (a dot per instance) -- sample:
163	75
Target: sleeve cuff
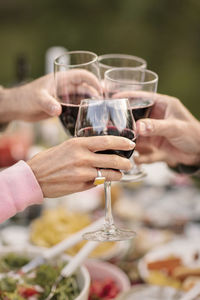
20	189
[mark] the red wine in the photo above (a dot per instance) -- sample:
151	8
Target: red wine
68	117
127	133
141	108
70	106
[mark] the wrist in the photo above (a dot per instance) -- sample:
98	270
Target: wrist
7	106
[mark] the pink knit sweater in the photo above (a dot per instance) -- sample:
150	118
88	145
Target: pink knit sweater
18	189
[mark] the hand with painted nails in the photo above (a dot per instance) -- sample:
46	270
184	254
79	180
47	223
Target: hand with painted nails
172	134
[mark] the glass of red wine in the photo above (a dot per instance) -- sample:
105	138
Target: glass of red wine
99	118
77	77
139	86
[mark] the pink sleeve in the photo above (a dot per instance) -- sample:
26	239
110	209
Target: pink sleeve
18	189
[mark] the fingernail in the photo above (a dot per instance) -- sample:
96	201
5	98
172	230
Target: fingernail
142	127
132	144
54	108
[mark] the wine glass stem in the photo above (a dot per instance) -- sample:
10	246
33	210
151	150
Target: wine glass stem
108	205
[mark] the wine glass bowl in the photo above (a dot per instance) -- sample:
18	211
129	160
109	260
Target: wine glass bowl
107	117
139	86
77	77
109	61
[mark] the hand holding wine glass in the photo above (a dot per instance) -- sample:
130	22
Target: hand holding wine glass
107	118
172	129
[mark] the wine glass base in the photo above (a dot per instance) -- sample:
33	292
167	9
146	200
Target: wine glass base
126	177
109	235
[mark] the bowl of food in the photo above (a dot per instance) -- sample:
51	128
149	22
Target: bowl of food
55	225
37	283
107	280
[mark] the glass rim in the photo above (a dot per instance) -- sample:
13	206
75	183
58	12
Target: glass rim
57	63
121	55
155	80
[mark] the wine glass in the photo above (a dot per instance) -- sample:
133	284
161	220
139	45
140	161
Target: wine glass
107	117
77	77
107	62
113	60
139	86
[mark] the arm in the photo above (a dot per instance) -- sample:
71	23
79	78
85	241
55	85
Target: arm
18	189
67	168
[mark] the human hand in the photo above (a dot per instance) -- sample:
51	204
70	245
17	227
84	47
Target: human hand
36	100
30	102
76	84
71	166
171	135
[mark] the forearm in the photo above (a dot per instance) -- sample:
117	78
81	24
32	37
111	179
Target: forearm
10	100
18	189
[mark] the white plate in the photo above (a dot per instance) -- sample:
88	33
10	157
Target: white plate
150	292
185	249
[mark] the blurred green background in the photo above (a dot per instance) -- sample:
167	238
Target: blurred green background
164	32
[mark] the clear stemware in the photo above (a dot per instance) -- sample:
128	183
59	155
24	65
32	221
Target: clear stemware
107	117
77	77
139	86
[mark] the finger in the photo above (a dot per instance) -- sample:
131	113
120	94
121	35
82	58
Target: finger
75	93
146	144
61	188
173	159
134	94
111	161
36	117
49	104
166	128
110	175
100	143
78	76
150	158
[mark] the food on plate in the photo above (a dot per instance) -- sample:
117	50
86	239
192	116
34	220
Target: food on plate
189	282
159	278
166	265
103	289
36	284
172	272
183	272
58	224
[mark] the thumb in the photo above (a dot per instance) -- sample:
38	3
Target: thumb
153	127
49	104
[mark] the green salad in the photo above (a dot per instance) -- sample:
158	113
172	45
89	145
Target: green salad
35	285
